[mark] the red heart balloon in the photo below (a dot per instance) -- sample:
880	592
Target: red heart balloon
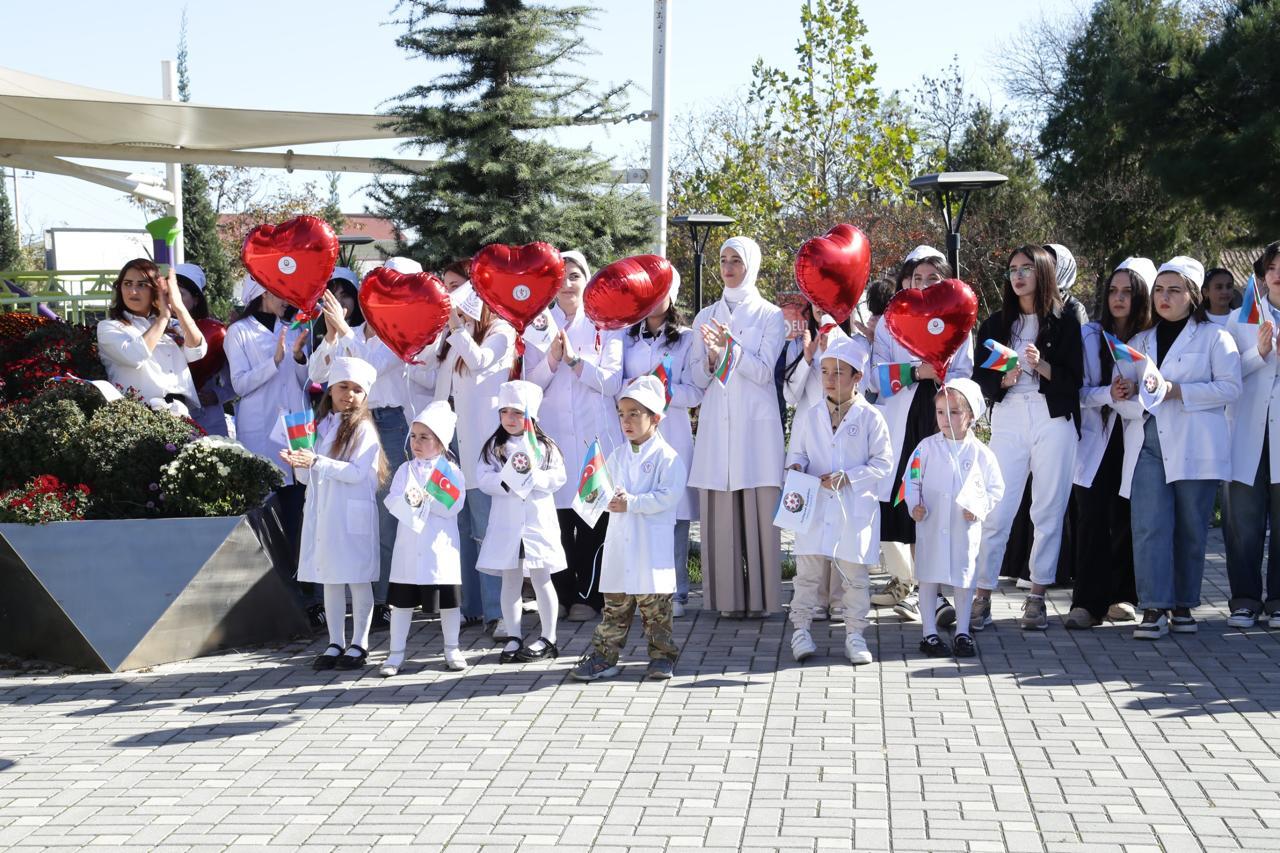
293	260
408	311
934	322
517	282
627	291
833	269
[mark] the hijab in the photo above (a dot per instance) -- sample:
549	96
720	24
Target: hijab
749	251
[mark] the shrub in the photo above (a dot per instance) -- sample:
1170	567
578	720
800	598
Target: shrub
215	476
44	499
126	445
33	350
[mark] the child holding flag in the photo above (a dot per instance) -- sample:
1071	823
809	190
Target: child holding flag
523	539
425	497
340	516
638	571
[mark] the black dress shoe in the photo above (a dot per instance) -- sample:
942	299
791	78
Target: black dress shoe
325	660
346	661
512	656
548	650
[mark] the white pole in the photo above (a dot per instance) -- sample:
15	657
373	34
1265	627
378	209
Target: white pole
173	171
17	211
661	123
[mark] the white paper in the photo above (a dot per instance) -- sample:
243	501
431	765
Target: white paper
541	332
280	433
517	473
108	391
799	501
1151	387
973	494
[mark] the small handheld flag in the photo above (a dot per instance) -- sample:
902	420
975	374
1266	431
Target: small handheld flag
1251	307
530	436
1121	351
595	488
663	372
728	360
895	377
300	427
914	471
1002	358
442	485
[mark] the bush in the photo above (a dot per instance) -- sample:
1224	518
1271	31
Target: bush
35	349
215	476
126	445
44	499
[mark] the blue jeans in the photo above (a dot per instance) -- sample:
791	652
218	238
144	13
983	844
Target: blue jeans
481	593
393	432
1168	568
1246	512
682	562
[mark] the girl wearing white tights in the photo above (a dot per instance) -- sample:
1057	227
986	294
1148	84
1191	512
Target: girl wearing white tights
523	539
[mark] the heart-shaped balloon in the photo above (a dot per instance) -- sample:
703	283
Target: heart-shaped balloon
627	291
517	282
933	322
833	269
407	310
294	259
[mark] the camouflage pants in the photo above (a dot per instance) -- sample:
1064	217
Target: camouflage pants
615	623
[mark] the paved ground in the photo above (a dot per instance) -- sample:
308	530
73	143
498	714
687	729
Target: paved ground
1057	741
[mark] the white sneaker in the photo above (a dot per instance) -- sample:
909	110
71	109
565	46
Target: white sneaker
892	592
391	666
855	649
819	614
1122	611
455	660
802	645
1242	617
908	608
1154	625
677	610
1023	583
837	614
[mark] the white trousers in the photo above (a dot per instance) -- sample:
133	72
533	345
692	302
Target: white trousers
1026	441
810	589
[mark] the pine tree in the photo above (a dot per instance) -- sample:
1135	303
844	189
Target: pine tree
497	179
10	249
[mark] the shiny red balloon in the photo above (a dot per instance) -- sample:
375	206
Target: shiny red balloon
832	270
408	311
517	282
293	260
627	291
934	322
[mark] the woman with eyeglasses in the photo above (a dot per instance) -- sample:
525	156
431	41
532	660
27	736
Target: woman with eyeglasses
1035	423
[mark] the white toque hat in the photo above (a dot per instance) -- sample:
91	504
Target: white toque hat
921	252
346	274
852	351
407	266
440	419
647	390
1145	269
971	392
1189	267
674	293
579	259
250	290
521	395
191	272
357	370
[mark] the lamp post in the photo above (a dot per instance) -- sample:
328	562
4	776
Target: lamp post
945	187
700	225
347	249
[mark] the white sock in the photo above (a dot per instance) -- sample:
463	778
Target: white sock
929	607
450	625
548	604
401	619
335	614
361	613
512	583
964	608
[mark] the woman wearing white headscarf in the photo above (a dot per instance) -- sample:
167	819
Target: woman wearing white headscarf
738	455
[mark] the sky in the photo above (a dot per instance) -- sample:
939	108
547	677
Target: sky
340	56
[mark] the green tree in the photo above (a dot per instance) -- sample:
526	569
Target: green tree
10	249
498	179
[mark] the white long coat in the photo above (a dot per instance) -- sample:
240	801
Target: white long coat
577	403
475	389
739	443
639	547
642	357
1094	394
514	520
154	373
340	516
946	544
886	349
429	557
846	524
1257	409
266	390
1193	431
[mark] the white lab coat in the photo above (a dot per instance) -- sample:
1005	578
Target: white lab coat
578	407
1256	412
639	547
643	356
340	516
390	389
886	349
266	390
475	389
739	443
431	556
514	520
1193	431
154	373
1094	394
953	473
846	524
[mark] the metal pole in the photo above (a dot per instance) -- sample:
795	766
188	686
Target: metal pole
697	275
17	215
173	171
659	128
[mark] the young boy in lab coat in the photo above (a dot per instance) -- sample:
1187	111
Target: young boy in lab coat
638	569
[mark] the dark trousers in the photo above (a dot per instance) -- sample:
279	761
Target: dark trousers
583	548
1247	513
1103	538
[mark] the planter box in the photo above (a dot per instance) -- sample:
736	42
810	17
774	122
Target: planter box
116	595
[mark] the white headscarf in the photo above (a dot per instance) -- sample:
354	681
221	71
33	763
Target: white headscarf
749	251
1065	262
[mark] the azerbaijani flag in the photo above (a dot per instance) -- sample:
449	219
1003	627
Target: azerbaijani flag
914	472
895	377
595	488
1251	308
663	372
442	485
728	360
1002	358
1121	351
301	429
535	449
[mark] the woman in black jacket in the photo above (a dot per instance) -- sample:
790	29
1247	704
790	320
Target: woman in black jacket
1035	423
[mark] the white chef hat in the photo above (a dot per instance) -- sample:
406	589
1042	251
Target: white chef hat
1189	267
357	370
408	266
674	292
971	393
521	395
346	274
1145	269
579	259
921	252
854	352
440	419
250	289
192	272
648	391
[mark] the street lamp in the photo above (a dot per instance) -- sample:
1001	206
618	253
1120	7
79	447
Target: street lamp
700	222
347	249
945	186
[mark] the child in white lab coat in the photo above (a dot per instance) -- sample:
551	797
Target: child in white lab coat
638	571
523	539
340	516
845	441
425	497
952	482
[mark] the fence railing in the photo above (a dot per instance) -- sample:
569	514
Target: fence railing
77	296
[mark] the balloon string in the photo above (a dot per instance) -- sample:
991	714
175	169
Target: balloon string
517	366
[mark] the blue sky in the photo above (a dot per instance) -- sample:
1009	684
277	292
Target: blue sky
341	56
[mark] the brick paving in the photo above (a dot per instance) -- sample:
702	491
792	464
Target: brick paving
1058	741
